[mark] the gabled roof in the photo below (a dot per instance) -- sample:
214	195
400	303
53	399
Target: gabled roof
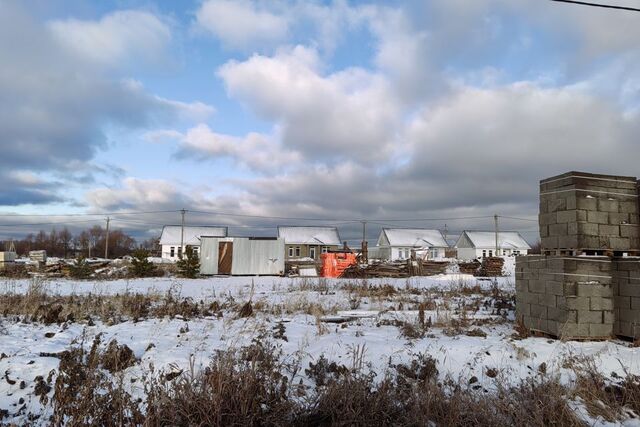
414	237
171	234
302	235
487	239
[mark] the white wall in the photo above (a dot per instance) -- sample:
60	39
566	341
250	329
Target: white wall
471	253
166	251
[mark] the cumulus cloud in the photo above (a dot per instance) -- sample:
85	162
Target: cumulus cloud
255	151
348	114
55	106
242	24
139	194
116	38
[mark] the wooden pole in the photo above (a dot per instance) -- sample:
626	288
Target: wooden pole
106	242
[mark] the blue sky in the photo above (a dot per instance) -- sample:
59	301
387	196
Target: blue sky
329	109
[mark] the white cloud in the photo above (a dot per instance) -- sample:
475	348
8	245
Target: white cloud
139	194
255	151
116	38
242	24
348	114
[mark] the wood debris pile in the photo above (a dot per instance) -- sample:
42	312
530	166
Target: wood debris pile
491	267
471	267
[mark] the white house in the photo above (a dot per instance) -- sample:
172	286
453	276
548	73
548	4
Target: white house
308	242
171	235
397	243
479	244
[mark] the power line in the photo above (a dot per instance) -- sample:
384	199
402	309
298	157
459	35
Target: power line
606	6
518	219
86	214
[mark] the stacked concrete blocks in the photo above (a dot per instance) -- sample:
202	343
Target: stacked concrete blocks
587	212
626	288
566	297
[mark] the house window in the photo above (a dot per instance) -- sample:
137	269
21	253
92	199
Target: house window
312	252
325	249
179	251
433	253
290	251
490	253
516	252
484	253
297	250
172	251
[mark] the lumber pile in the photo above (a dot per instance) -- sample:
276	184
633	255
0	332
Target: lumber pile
470	267
433	268
390	269
491	267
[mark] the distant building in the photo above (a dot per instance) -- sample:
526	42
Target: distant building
171	235
308	242
480	244
397	243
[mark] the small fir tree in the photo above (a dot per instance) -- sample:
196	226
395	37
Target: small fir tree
140	264
80	269
189	264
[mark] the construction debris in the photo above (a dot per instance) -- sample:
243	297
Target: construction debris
491	267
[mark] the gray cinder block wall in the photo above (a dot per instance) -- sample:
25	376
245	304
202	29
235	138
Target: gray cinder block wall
584	297
567	297
582	212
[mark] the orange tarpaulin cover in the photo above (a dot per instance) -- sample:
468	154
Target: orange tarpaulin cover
333	264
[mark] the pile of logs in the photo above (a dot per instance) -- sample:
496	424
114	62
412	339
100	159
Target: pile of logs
433	268
398	269
491	267
471	267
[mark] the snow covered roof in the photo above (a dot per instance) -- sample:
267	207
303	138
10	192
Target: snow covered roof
310	235
487	239
171	234
414	237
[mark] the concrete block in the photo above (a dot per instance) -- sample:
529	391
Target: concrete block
628	207
539	324
554	288
522	309
587	229
629	230
606	205
616	218
547	219
609	230
622	302
587	204
538	311
556	204
556	314
537	286
544	230
570	289
587	316
601	303
600	330
598	217
594	289
624	328
635	303
620	243
582	215
568	242
571	201
550	242
574	330
557	229
608	317
566	216
578	303
547	300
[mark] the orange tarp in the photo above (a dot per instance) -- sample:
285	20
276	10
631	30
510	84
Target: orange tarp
333	264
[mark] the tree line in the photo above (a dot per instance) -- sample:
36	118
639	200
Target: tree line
89	243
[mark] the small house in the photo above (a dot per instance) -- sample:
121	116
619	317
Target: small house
242	256
302	242
172	236
480	244
397	243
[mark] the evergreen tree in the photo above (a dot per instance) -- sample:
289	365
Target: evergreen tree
189	265
141	267
80	269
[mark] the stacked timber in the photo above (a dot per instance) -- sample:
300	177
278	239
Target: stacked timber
471	267
433	268
391	269
491	267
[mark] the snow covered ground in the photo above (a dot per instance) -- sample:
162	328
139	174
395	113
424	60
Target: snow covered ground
376	314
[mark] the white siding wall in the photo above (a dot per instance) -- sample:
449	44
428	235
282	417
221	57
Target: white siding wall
166	251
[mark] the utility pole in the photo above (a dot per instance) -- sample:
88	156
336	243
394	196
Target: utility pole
106	243
365	248
182	212
495	218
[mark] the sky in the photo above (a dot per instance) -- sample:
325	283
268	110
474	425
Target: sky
257	113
